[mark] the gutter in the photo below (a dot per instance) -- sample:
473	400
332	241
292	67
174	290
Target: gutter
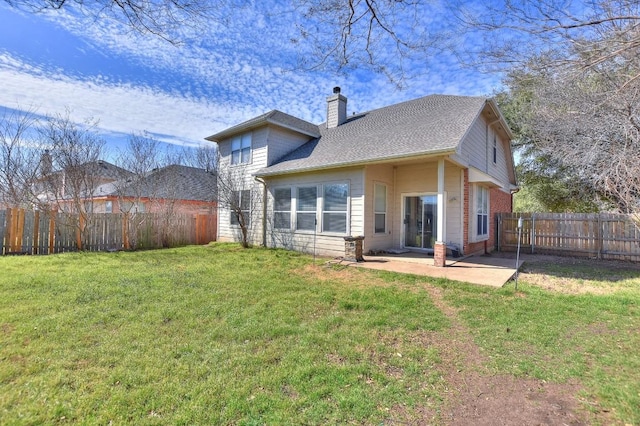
438	153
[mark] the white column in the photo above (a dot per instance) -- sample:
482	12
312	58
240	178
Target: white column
440	237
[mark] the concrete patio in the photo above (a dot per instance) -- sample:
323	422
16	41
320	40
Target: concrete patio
489	270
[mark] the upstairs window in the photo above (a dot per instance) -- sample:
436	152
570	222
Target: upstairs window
241	149
495	150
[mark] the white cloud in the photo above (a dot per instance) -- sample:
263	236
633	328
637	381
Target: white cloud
221	77
120	108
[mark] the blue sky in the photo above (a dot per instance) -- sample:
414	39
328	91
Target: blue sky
240	66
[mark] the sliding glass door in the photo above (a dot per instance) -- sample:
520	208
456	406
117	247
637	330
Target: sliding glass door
420	215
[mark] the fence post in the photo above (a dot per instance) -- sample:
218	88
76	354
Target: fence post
533	232
125	231
36	232
599	237
52	231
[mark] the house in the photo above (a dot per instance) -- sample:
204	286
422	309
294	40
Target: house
62	187
102	187
180	189
426	175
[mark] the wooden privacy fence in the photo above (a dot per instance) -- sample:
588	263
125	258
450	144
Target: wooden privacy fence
39	232
603	236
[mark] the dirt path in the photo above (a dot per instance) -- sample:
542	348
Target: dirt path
475	397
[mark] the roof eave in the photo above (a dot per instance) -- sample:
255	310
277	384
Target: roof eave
429	154
254	123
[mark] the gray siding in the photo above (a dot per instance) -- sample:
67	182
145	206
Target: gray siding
325	244
476	149
227	232
282	141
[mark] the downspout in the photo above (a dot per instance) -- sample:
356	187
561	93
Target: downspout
264	210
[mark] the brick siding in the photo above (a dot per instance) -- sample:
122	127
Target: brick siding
499	202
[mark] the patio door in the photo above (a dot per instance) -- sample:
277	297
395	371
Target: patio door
420	216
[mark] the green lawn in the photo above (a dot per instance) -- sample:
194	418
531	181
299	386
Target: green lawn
222	335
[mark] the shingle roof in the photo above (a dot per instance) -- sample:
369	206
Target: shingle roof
99	169
435	123
275	117
171	182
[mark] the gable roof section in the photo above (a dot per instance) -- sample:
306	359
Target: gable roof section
275	117
97	169
429	125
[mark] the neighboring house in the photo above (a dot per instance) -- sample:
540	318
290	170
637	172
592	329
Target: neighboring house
180	189
59	187
421	175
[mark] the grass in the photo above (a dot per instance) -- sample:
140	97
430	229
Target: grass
204	336
589	337
221	335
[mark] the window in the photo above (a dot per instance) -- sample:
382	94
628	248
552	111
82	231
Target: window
108	207
482	211
241	149
282	208
241	201
307	201
380	208
334	214
495	150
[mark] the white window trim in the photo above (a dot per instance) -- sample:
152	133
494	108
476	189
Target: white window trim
494	151
322	211
319	212
292	210
250	155
386	208
232	213
473	214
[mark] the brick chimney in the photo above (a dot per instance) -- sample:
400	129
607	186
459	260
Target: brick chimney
336	109
46	163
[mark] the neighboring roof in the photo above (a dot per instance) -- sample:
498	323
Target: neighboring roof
428	125
171	182
102	169
274	117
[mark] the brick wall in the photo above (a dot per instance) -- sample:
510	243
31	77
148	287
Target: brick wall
499	202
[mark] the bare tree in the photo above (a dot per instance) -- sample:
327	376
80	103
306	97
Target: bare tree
593	128
203	157
384	36
140	157
566	36
19	158
76	153
162	18
574	72
241	195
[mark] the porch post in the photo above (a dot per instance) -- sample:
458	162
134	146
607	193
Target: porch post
440	248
